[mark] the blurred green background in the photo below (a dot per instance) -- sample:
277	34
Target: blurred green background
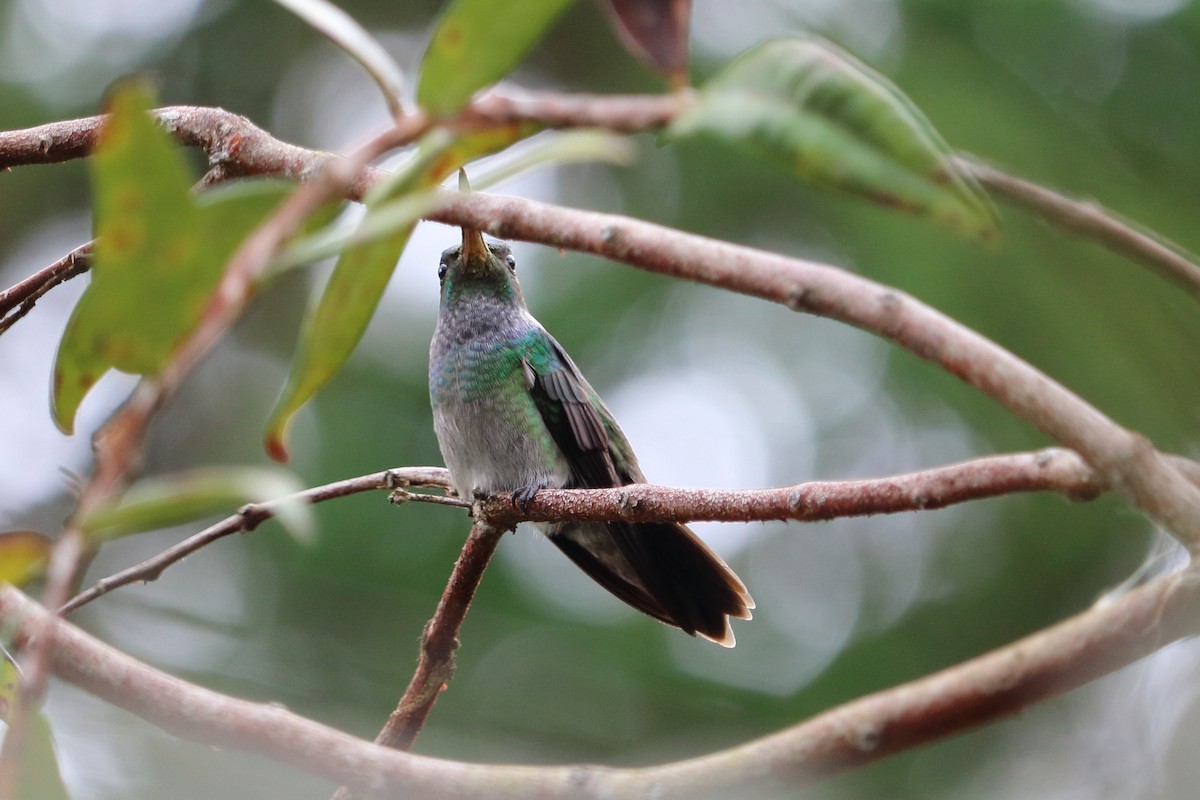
1097	97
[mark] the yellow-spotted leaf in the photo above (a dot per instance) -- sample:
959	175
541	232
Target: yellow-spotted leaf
146	228
167	500
23	556
159	253
336	324
828	118
475	44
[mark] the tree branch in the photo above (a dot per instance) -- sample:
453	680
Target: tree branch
439	642
1125	460
1091	221
1052	469
1094	643
236	146
18	300
250	517
1003	682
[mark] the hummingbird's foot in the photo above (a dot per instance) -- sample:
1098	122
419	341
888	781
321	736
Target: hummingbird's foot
523	496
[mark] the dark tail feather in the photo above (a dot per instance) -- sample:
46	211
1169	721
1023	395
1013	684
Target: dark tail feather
661	569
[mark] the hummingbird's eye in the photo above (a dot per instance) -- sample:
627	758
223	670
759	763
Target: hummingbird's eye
512	263
442	267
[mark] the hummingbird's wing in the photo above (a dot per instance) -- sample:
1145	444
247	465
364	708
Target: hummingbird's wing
662	569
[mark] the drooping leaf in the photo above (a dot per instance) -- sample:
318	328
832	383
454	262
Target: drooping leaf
475	44
655	31
336	324
828	118
167	500
344	31
159	253
23	556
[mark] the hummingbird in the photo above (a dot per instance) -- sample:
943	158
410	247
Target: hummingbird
512	413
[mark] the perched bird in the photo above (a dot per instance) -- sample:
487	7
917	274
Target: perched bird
513	413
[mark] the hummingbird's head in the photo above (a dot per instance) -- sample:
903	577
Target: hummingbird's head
480	266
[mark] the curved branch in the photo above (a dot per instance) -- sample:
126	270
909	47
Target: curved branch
1003	682
1125	460
439	643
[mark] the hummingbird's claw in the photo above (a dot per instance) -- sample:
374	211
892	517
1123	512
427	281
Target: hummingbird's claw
523	496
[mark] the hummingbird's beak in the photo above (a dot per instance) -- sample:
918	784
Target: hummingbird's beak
473	246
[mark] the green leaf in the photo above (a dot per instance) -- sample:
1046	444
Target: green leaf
337	323
143	214
159	253
384	221
23	556
39	777
832	120
168	500
390	217
475	44
344	31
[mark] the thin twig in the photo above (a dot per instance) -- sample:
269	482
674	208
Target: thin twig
1003	682
250	517
439	643
439	640
1092	221
18	300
